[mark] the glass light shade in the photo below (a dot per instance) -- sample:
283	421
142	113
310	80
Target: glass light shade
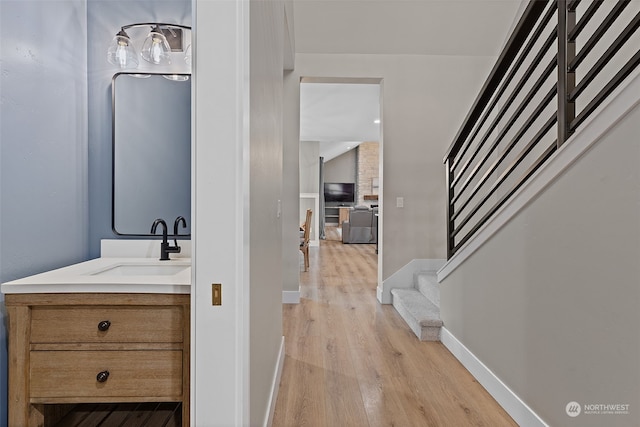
155	48
121	52
176	77
187	55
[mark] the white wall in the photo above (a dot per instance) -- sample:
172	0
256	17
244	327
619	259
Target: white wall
309	166
550	302
220	230
238	182
266	154
342	168
425	98
309	184
291	183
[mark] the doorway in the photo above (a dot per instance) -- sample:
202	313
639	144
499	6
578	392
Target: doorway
341	157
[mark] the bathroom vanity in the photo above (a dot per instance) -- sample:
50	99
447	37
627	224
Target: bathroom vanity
106	331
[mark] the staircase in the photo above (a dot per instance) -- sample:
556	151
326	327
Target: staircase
419	306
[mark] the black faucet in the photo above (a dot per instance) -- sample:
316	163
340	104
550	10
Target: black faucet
165	249
177	222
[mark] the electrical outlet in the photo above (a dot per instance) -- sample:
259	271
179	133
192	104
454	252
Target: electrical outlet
216	294
400	202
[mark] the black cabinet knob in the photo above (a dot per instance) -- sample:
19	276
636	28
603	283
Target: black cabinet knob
102	376
104	325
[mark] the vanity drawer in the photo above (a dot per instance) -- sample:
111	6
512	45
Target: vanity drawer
131	374
57	324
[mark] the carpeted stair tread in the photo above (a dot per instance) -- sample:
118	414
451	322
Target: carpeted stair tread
423	310
422	316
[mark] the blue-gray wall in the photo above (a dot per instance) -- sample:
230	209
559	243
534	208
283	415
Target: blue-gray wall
104	20
43	143
55	132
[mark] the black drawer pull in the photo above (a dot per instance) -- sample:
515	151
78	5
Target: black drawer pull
102	376
104	325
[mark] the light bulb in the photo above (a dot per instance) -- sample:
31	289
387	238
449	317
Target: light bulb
121	51
155	48
121	54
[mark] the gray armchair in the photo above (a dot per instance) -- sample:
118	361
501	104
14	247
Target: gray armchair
362	226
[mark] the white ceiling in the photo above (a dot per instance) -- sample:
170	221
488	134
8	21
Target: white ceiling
339	116
414	27
342	115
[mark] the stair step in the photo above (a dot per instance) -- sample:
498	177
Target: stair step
427	283
422	316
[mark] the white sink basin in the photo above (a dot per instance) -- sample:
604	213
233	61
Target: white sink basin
130	273
142	270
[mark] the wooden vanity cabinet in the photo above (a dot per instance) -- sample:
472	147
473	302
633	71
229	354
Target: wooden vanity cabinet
67	349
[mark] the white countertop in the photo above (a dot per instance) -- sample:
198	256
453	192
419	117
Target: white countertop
112	274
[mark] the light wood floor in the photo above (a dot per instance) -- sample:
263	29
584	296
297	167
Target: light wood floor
351	361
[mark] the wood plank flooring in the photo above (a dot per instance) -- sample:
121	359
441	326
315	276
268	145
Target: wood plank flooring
351	361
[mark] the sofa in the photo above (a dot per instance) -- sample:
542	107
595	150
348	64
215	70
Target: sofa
362	226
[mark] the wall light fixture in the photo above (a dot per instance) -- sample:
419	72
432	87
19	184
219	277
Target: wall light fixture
156	48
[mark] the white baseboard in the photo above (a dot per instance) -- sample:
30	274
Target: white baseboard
291	297
510	402
275	386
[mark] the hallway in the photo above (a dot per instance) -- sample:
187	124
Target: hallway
353	362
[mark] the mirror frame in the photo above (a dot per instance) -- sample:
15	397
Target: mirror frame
170	234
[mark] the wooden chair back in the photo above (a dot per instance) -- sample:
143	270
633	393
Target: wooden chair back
307	227
304	244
